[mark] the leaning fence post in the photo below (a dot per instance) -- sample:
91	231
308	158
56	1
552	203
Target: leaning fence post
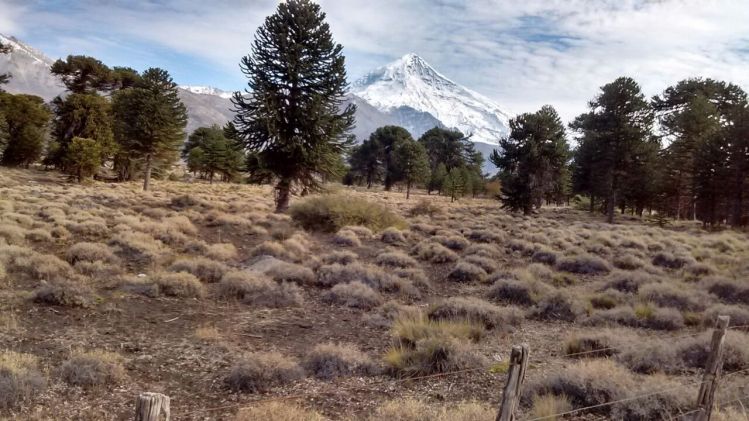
149	405
713	370
514	385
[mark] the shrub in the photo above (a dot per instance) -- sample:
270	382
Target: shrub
205	269
41	266
138	247
392	236
583	264
557	306
256	289
453	242
354	294
593	344
510	291
347	238
328	361
425	207
179	284
485	236
282	271
414	410
670	260
13	234
660	406
629	282
260	371
90	252
94	368
370	275
488	265
434	252
331	212
221	251
545	255
729	291
20	379
606	300
651	357
343	257
434	354
411	327
467	272
628	262
396	259
476	310
548	406
739	315
695	351
278	411
669	295
63	294
39	235
483	250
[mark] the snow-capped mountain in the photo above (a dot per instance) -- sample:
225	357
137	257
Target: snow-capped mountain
409	88
207	90
30	70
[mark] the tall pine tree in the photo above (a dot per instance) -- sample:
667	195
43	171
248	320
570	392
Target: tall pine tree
411	164
289	115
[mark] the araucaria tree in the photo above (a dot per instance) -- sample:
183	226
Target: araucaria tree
615	139
150	120
25	122
411	164
532	160
289	116
209	152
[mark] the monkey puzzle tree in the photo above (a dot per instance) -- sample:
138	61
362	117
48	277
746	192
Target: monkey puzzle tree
289	115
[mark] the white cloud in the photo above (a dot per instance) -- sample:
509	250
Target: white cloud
522	54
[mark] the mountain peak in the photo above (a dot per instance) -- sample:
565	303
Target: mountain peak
207	90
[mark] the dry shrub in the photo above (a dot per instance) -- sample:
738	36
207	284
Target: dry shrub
42	266
88	228
392	236
425	229
548	406
425	207
476	310
434	252
13	234
643	315
138	247
63	294
730	414
670	295
628	262
695	351
208	333
485	236
347	238
585	264
90	252
557	306
39	235
545	255
433	354
628	282
660	406
256	289
415	410
360	231
330	213
205	269
282	271
93	368
607	299
328	361
671	260
179	284
396	259
485	263
651	357
221	251
739	315
511	291
59	232
453	242
278	411
20	379
343	257
354	294
483	250
260	371
729	290
467	272
594	344
270	248
370	275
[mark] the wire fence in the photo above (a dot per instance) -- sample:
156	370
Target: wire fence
375	387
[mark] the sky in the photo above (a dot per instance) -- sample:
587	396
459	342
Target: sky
522	54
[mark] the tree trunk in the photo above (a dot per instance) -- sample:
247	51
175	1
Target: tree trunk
408	190
210	177
738	200
147	177
610	206
283	190
592	203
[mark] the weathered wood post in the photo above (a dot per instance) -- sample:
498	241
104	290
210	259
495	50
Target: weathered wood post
149	405
713	369
514	385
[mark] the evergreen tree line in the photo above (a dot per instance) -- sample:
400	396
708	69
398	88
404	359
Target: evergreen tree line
440	160
117	117
683	154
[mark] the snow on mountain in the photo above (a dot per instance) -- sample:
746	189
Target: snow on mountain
410	85
207	90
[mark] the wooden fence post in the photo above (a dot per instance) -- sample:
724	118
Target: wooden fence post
713	369
514	385
149	405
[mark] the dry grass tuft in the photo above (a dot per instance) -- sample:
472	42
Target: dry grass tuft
330	213
20	379
205	269
93	368
467	272
179	284
476	310
63	294
585	264
278	411
547	406
434	252
557	306
396	259
354	294
328	361
416	410
90	252
138	247
256	289
347	238
261	371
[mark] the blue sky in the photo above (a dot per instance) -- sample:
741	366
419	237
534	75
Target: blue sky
522	54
